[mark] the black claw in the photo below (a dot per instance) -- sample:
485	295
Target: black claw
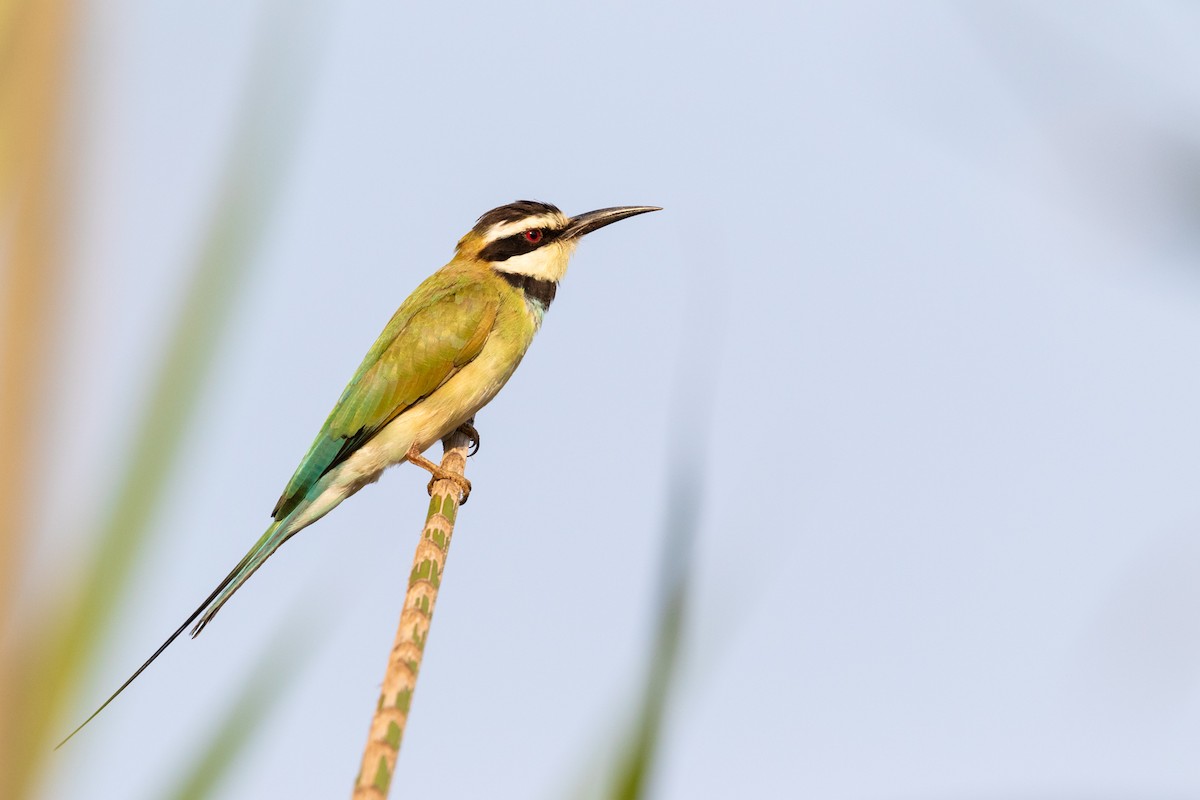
472	435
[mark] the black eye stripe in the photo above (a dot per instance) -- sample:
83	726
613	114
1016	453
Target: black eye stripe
515	245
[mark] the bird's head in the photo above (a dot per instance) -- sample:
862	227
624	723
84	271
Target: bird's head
534	239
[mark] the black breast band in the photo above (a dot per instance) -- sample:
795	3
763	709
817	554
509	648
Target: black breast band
534	289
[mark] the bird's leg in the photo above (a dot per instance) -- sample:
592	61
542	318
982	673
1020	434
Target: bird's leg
468	430
464	486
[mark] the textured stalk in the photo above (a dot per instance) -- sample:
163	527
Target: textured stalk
404	662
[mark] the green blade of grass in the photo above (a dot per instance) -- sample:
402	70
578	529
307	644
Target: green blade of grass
260	152
261	692
630	778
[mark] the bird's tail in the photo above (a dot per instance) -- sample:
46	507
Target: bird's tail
276	534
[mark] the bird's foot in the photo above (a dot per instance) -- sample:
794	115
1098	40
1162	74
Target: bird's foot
469	430
439	474
464	485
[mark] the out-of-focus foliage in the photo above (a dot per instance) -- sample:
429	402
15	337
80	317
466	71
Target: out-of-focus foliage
211	764
633	772
631	775
45	659
34	38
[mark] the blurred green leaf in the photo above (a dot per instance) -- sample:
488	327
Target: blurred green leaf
261	150
632	775
69	640
244	718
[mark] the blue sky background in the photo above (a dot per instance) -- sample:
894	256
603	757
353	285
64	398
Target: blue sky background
935	266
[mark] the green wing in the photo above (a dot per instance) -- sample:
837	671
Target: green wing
438	330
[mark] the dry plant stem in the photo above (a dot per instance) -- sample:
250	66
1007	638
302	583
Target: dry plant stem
35	51
391	714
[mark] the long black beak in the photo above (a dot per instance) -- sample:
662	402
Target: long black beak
594	220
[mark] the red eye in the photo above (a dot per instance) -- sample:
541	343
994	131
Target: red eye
533	235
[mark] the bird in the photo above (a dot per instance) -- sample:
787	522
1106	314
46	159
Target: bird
445	353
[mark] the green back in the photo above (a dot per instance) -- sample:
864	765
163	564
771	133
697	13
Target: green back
438	330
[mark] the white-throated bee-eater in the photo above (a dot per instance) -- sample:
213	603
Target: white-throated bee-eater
444	355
